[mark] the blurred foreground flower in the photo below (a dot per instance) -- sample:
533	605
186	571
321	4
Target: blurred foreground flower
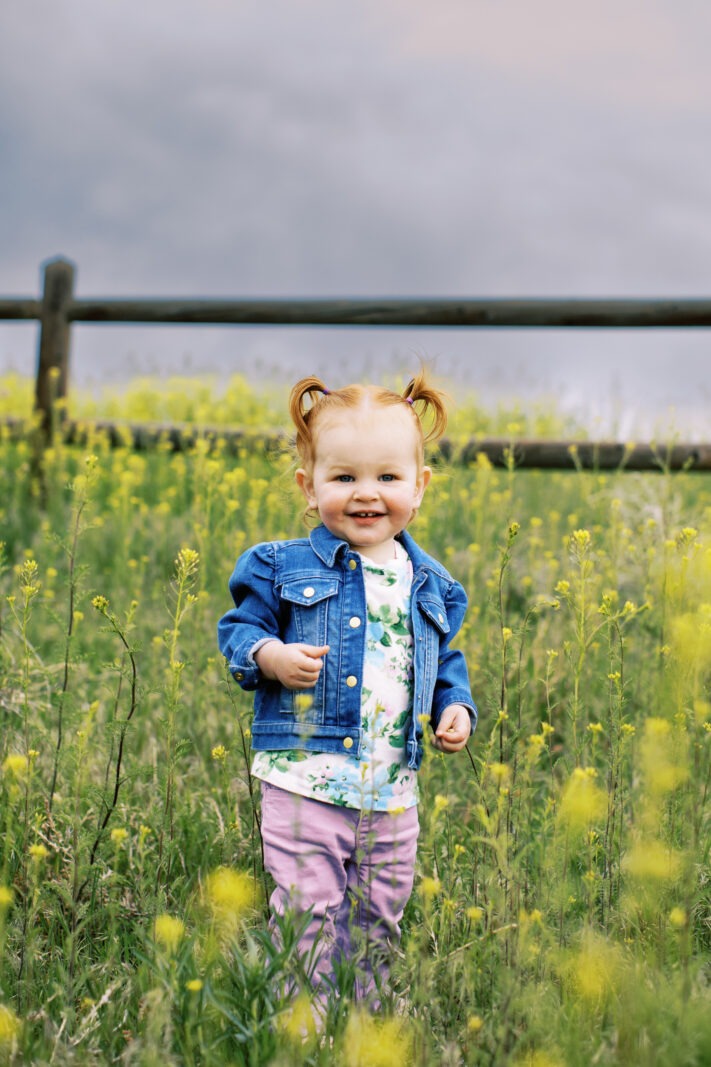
168	932
298	1023
372	1042
663	755
16	765
539	1058
9	1026
594	972
230	895
430	888
652	861
583	802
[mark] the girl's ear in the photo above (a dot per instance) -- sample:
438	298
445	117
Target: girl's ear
306	485
422	483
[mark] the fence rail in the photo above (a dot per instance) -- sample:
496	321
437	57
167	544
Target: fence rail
58	309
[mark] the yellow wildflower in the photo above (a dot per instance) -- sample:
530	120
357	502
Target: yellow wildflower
583	802
16	765
594	971
168	931
194	985
119	836
6	897
500	772
302	703
662	755
38	852
651	861
580	539
298	1022
678	918
229	895
430	887
691	639
474	1024
373	1042
9	1026
539	1057
219	753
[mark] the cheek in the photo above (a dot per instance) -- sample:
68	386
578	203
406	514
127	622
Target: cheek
324	498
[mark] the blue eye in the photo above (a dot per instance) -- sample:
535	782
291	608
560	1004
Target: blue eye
387	477
344	477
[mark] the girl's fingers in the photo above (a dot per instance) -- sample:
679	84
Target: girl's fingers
314	652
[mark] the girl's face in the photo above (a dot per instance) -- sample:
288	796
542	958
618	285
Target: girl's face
366	481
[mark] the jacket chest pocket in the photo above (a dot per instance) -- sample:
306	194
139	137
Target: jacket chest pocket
435	629
308	600
435	615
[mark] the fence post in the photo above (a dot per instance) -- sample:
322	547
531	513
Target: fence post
53	358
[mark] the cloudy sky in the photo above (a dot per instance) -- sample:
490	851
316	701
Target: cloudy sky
378	148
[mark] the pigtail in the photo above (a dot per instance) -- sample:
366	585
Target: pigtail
313	388
431	405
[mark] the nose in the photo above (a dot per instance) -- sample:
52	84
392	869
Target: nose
365	489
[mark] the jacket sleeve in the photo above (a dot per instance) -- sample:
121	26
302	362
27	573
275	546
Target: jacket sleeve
255	617
452	685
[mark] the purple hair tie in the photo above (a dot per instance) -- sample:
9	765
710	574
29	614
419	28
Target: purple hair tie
325	391
409	400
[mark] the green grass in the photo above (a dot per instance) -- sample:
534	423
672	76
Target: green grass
561	913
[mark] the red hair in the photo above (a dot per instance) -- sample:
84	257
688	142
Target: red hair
422	399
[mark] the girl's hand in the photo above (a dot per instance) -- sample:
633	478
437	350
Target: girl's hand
296	666
454	728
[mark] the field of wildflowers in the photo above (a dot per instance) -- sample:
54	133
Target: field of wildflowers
561	915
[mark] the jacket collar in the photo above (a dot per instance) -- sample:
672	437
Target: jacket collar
328	548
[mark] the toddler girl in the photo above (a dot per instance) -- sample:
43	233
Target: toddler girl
345	638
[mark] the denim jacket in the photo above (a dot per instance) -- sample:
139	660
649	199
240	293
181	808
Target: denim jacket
312	590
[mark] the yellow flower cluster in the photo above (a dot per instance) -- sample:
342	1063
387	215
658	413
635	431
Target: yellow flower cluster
230	895
583	802
376	1042
9	1026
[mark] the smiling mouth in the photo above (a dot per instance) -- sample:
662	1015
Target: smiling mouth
366	514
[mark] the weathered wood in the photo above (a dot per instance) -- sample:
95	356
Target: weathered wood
20	308
527	455
591	455
543	313
53	358
58	310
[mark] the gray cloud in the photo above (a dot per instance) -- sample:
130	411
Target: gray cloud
228	148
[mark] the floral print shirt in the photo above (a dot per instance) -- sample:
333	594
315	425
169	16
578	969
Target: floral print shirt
379	779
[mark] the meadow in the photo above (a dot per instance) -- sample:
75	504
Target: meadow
561	914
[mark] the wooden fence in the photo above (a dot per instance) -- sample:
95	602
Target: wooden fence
58	308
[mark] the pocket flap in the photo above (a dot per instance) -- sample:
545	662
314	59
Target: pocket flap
307	591
436	613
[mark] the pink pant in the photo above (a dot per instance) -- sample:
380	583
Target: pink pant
351	870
